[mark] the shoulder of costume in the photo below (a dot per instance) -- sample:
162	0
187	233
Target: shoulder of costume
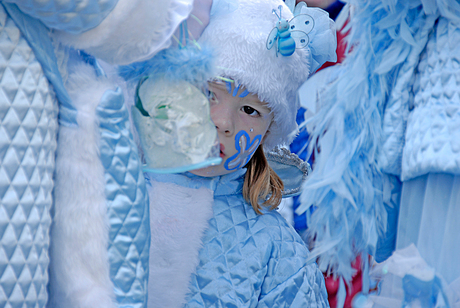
290	168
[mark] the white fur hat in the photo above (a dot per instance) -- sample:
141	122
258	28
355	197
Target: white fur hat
239	40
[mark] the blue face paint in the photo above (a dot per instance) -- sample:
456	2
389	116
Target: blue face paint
228	84
245	148
244	93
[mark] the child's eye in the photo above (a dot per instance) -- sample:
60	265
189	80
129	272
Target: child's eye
210	95
251	111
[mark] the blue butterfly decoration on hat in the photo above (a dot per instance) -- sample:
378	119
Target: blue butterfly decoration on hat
291	34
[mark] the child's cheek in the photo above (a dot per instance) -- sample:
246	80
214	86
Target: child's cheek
245	147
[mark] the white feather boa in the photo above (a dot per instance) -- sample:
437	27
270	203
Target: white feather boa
178	218
79	268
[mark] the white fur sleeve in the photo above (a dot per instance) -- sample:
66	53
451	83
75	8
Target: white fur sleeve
134	31
79	267
178	219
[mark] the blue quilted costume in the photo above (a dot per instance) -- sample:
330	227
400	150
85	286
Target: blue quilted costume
247	260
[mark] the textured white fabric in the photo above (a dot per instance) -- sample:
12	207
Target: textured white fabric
427	241
407	261
80	204
134	31
433	128
397	108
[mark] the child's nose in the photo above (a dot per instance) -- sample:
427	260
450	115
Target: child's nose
222	119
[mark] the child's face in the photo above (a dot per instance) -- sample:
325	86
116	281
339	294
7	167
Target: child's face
241	120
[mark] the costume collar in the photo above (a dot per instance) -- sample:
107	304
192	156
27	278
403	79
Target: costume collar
228	184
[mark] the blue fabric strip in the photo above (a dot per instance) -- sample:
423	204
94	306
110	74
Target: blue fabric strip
127	203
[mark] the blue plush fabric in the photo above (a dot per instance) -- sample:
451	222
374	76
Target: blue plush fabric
249	260
72	16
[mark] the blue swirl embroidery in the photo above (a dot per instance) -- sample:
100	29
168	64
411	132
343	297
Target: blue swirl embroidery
245	148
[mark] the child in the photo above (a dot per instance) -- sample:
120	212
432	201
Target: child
216	240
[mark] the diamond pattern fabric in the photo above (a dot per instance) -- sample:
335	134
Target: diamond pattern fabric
72	16
28	126
254	261
129	235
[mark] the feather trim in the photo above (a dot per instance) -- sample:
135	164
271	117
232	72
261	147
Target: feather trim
346	183
193	64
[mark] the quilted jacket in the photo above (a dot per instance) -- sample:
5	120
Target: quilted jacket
238	259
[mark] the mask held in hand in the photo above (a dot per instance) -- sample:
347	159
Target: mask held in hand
175	128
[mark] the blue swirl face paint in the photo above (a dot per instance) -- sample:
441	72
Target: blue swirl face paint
245	148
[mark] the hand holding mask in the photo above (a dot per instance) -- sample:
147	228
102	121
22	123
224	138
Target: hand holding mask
175	128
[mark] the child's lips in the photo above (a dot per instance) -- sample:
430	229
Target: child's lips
222	149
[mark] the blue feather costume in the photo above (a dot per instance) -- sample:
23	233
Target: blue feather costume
361	130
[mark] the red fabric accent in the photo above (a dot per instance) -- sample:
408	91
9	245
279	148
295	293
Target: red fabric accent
341	47
332	286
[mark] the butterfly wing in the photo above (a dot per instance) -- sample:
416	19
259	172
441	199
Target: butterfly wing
299	8
272	38
301	38
302	22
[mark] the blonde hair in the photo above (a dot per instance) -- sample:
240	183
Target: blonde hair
261	183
